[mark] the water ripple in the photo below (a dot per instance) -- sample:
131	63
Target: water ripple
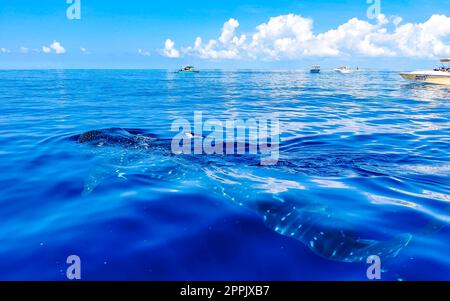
364	168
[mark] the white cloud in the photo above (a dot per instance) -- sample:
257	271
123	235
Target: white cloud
23	49
356	37
425	39
228	31
57	47
227	46
46	49
143	52
4	50
291	37
85	50
170	50
397	20
211	50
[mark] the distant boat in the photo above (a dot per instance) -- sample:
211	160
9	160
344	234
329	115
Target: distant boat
344	70
188	69
315	69
438	76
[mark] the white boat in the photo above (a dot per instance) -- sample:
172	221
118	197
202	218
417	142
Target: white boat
315	69
344	70
438	76
188	69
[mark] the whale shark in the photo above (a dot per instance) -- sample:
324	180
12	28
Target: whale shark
315	225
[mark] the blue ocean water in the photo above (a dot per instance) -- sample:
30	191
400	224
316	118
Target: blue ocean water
364	168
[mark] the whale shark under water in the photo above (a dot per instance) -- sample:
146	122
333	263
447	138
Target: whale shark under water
315	225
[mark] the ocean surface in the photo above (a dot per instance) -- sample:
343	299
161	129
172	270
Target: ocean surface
364	170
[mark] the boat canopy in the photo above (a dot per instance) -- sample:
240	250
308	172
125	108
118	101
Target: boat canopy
445	60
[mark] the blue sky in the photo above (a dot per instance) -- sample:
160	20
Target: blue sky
112	32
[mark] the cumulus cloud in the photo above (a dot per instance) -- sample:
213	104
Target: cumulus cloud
228	30
4	50
170	50
55	47
143	52
291	36
425	39
227	47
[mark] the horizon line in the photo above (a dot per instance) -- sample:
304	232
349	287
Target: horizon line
205	69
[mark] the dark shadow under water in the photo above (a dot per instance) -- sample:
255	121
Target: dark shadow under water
314	224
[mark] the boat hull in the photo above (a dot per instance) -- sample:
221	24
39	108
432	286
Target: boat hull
315	71
427	78
344	71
